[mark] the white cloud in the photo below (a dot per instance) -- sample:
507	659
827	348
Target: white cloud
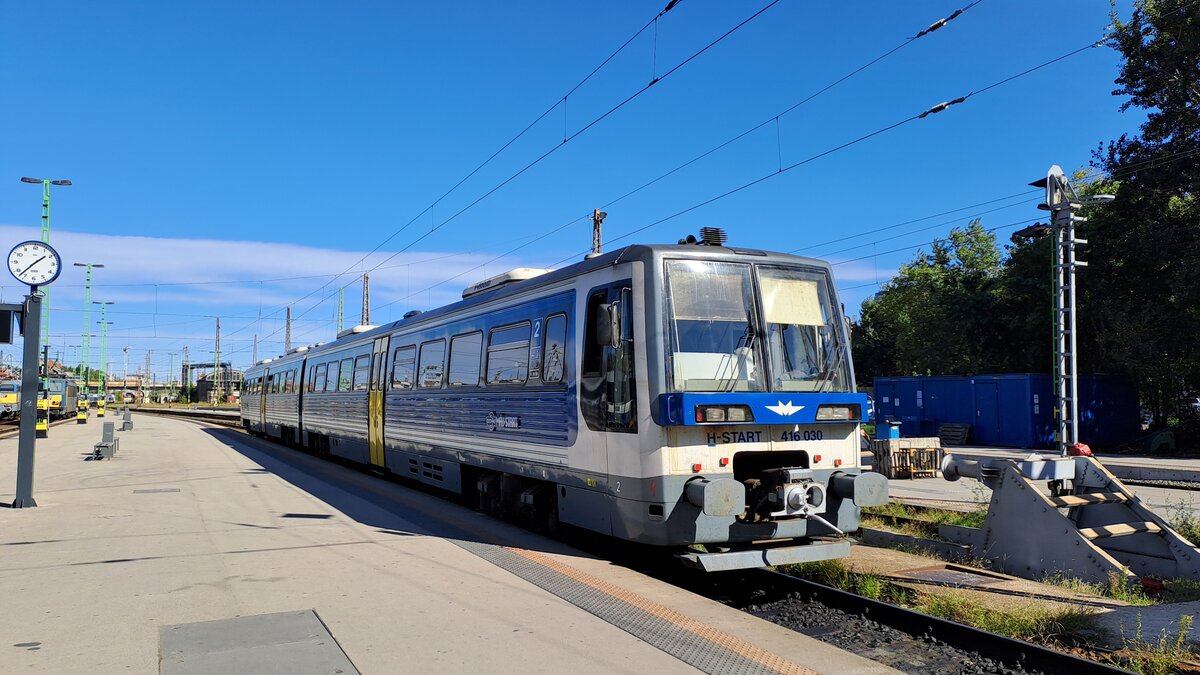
165	296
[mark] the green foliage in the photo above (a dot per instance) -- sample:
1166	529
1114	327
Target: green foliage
1160	657
1032	624
937	314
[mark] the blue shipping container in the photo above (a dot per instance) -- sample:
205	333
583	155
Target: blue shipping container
1008	410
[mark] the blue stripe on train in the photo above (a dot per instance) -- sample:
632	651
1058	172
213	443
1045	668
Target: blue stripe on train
792	407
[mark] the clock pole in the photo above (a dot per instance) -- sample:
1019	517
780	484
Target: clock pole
31	326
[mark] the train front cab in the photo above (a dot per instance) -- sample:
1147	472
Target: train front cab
745	427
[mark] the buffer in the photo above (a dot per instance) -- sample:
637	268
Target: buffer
1087	524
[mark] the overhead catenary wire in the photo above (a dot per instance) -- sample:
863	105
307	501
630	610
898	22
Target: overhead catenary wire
554	149
737	137
561	101
940	107
943	106
775	117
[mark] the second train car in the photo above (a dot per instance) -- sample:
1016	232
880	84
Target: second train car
697	397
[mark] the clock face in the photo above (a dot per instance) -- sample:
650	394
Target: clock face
34	263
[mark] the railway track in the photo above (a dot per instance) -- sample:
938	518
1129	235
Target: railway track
901	638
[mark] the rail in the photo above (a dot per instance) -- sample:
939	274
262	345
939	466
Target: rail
230	418
1001	648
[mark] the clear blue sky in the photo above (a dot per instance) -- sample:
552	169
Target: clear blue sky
235	141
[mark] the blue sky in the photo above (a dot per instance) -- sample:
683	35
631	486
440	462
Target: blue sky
254	142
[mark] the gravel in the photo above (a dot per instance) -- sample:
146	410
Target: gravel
870	639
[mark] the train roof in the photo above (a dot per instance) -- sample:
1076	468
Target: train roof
635	252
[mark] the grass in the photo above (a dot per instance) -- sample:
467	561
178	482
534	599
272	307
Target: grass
922	521
1160	657
1117	588
1068	628
1184	521
1032	624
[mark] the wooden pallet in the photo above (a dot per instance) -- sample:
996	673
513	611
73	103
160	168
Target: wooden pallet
907	457
954	434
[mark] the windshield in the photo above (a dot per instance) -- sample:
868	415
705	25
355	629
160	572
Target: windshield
712	328
717	341
802	335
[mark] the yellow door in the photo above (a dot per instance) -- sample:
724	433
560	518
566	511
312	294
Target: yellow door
377	387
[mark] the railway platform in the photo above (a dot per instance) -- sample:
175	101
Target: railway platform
200	549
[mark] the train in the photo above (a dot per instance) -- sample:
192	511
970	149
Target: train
63	397
695	397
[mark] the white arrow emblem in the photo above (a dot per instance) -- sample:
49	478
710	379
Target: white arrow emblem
785	409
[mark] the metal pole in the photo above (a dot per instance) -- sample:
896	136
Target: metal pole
217	366
104	348
46	240
29	393
1062	203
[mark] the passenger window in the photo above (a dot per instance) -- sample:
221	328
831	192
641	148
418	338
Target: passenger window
376	366
554	356
331	383
289	381
308	385
347	375
433	357
362	372
318	383
464	359
403	367
592	352
508	355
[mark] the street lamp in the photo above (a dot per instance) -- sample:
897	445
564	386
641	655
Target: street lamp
45	183
87	315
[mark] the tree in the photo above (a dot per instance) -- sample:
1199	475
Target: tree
1140	311
936	315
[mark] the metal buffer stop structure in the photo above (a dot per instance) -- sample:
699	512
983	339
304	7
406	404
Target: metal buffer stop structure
1086	523
1093	530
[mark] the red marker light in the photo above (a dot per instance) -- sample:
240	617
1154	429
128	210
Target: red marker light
837	462
696	468
816	459
724	461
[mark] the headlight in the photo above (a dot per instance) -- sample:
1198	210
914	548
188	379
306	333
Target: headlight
723	413
829	413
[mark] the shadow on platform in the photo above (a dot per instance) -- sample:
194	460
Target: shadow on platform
388	506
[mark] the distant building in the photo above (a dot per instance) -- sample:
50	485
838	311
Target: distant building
231	385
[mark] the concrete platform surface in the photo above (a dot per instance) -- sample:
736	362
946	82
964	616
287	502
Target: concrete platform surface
191	524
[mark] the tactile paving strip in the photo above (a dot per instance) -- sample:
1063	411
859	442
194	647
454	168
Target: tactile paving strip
691	641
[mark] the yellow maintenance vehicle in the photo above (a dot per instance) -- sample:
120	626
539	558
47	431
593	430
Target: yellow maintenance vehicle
10	399
64	396
43	416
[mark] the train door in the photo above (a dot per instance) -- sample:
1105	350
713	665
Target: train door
375	393
607	393
263	382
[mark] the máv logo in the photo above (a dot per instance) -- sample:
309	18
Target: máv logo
785	409
495	421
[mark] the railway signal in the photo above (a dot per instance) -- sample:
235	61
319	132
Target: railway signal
1062	203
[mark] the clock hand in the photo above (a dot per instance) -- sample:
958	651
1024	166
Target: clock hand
34	263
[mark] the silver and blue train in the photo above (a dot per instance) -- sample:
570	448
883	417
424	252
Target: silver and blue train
697	397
